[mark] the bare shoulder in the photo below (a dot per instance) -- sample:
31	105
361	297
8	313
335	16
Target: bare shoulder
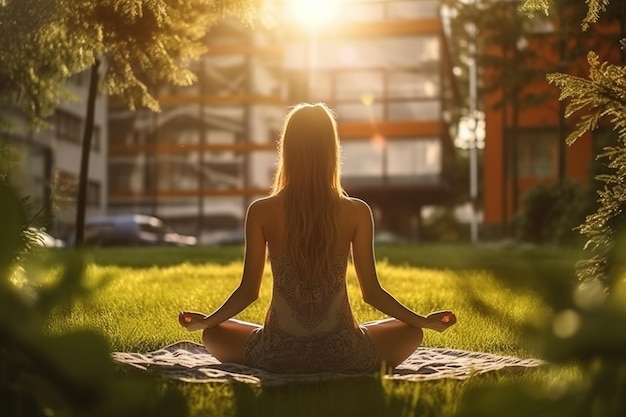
263	206
358	206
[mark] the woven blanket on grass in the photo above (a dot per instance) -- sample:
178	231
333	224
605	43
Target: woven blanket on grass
190	362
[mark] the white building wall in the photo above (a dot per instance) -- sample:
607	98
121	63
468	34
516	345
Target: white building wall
66	156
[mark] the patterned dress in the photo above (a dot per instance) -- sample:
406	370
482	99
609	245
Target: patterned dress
310	329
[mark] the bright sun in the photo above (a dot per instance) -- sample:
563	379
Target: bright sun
313	14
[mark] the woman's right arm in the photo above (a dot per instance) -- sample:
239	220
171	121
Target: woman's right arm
248	289
373	293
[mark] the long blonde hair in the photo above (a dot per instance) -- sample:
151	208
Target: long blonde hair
308	177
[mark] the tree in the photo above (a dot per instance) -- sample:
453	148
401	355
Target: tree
583	326
600	97
514	53
140	43
37	55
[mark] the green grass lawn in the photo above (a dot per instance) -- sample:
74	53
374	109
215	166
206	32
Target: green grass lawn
137	294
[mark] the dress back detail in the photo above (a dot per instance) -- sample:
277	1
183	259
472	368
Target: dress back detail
309	326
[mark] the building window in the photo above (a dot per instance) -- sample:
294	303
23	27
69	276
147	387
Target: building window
124	176
410	9
414	110
66	189
380	52
362	159
358	85
536	153
68	126
414	158
399	160
405	84
96	140
94	191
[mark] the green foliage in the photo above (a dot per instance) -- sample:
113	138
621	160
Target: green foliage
582	327
442	226
37	54
28	221
594	9
507	60
44	42
551	213
602	95
68	374
585	324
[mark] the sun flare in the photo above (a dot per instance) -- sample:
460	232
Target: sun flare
314	14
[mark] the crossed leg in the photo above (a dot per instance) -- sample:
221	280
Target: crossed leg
394	340
227	340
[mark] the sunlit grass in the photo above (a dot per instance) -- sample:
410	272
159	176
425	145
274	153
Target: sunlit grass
135	308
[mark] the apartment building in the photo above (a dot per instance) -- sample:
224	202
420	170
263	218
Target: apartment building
46	163
382	66
525	145
212	149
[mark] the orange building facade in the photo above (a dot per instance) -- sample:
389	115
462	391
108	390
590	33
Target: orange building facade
525	145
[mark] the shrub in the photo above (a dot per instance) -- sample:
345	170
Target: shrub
443	226
71	374
552	213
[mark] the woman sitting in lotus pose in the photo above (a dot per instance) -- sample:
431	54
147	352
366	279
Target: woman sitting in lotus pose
308	228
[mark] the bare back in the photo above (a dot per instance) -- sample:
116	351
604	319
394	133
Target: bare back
308	327
271	213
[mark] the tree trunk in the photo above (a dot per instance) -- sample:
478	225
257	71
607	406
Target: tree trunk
81	203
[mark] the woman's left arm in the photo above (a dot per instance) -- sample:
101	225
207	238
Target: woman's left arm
248	290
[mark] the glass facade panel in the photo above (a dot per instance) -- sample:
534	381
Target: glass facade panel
263	164
221	137
419	157
542	157
412	84
68	126
177	174
411	9
119	176
384	52
536	153
381	10
362	159
179	135
355	85
414	110
363	11
359	111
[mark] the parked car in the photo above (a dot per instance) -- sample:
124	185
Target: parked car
233	237
132	230
388	238
45	239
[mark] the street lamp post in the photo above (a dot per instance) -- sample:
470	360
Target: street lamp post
473	145
473	152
